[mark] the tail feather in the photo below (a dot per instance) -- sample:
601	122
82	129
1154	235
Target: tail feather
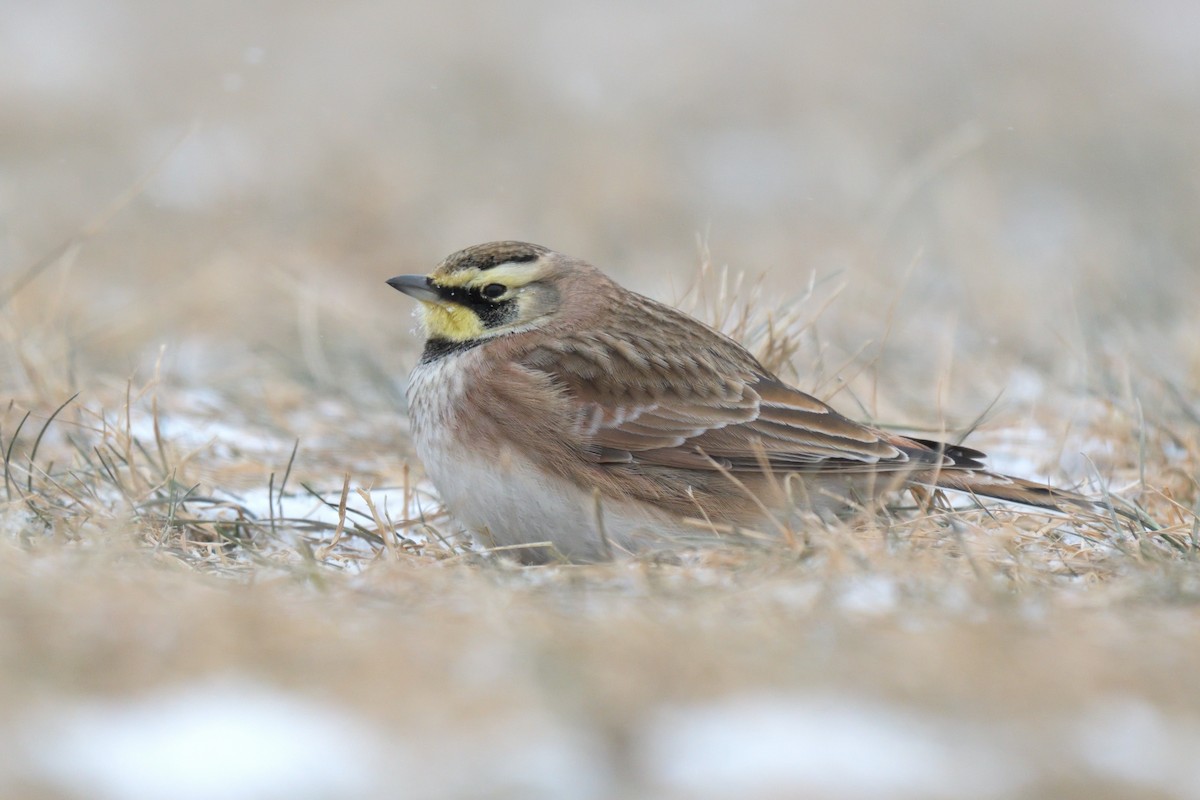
1023	492
962	469
958	468
957	454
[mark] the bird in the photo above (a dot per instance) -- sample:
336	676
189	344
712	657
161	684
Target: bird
563	417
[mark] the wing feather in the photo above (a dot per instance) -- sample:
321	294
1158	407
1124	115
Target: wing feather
707	409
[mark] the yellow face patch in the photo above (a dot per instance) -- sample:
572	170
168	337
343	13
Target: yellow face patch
450	321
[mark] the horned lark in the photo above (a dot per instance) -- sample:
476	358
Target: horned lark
562	415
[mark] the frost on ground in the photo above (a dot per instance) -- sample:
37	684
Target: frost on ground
313	481
205	476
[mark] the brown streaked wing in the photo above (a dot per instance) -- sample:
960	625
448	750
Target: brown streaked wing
794	430
626	400
688	412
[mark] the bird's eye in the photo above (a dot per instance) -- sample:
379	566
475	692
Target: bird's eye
493	290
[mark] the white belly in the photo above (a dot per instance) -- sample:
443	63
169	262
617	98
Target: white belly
503	499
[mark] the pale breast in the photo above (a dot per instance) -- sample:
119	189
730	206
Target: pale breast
435	392
502	496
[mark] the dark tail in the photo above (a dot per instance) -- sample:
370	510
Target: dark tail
1037	495
962	469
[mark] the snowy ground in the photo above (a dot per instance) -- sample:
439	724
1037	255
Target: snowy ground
239	740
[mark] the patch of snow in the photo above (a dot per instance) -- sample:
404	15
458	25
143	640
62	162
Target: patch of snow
389	503
871	595
797	596
13	520
195	431
230	740
1132	741
239	740
1081	455
758	746
1174	452
1023	452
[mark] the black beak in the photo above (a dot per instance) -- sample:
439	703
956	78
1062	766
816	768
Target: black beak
415	286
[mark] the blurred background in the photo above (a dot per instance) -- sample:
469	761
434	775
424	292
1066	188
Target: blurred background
961	207
1016	182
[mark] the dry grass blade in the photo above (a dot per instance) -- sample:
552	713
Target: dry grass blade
9	481
38	441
